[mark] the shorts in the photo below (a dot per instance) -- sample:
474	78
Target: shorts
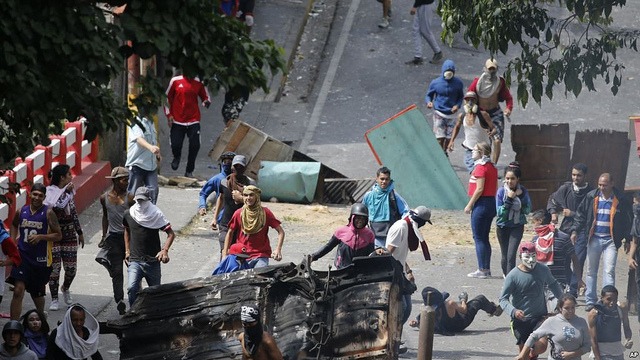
522	329
34	277
497	118
443	126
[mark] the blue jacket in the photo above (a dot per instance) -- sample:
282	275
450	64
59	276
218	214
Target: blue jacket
503	207
444	94
209	187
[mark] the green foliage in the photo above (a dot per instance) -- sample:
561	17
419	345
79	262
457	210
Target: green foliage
562	42
58	58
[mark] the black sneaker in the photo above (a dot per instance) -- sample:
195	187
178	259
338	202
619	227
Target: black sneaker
498	310
188	174
464	297
416	61
437	57
175	163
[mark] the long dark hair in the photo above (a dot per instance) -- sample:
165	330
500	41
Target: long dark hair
44	328
58	172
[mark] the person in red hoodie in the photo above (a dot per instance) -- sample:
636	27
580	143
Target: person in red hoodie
183	114
492	90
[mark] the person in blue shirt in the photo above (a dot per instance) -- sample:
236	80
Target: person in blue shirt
444	96
213	184
385	206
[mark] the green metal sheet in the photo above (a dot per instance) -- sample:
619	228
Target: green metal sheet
420	170
294	182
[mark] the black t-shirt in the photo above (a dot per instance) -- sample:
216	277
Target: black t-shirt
144	243
229	205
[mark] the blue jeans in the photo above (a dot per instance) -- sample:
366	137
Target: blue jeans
137	271
139	177
484	210
468	160
605	248
406	308
258	262
581	252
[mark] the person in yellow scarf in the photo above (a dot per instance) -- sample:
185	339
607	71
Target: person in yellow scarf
250	225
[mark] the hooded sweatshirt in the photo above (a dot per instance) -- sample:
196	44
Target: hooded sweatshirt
443	93
23	353
351	242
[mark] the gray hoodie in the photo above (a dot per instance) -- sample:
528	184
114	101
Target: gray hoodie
23	353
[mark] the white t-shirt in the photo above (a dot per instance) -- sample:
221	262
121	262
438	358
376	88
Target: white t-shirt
398	237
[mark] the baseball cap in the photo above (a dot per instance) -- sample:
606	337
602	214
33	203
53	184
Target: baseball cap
491	63
471	95
238	250
528	246
239	160
118	172
227	155
142	193
423	213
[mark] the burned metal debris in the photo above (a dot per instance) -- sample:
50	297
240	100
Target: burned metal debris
350	313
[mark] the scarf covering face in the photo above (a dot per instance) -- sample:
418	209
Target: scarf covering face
147	214
544	244
73	345
37	342
379	204
514	212
253	334
486	85
59	198
355	238
253	217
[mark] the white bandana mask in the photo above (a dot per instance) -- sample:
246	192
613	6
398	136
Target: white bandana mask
529	260
448	75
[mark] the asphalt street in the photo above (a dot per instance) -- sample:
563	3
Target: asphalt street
362	80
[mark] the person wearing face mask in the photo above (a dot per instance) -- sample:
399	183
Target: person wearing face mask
249	227
404	236
567	334
213	184
477	128
444	96
257	344
565	201
352	240
492	90
523	296
513	204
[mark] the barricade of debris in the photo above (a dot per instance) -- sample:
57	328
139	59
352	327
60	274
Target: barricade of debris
351	313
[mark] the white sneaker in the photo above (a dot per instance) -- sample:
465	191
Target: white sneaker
478	274
384	23
55	306
66	295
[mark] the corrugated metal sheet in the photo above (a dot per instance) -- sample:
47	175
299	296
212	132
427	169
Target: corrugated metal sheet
422	173
351	313
345	191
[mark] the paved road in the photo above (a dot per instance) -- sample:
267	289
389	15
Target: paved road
362	81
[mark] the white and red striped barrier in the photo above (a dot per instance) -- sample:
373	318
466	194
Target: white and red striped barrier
67	148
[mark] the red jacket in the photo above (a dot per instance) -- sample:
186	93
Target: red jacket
10	249
182	96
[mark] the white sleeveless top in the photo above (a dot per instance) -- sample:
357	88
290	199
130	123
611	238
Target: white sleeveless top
474	134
